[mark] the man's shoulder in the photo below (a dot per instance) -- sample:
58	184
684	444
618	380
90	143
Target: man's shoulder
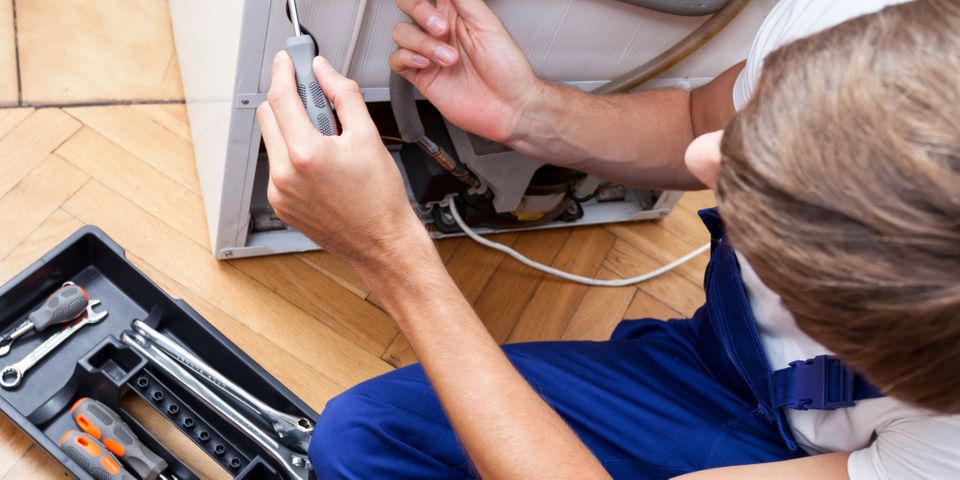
792	20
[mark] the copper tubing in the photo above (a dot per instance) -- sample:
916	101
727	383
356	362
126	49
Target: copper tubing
677	53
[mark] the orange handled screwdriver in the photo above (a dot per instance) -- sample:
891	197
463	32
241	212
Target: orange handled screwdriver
65	304
90	454
102	423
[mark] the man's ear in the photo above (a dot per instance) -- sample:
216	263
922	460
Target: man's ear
703	158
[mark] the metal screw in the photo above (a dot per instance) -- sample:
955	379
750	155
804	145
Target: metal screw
227	253
244	102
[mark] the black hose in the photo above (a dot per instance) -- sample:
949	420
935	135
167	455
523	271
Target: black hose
687	8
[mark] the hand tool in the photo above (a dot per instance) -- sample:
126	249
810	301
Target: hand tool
102	423
93	456
12	375
302	50
294	465
65	304
292	431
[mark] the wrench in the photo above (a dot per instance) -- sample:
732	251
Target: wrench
295	466
12	375
292	431
64	305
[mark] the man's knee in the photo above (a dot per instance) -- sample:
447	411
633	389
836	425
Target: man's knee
343	434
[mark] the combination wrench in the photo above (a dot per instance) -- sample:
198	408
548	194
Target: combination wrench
292	431
295	466
12	375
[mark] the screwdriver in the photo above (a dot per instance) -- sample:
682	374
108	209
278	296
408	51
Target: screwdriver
65	304
102	423
301	49
90	454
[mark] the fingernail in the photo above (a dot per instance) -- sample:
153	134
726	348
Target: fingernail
436	24
421	61
278	56
446	55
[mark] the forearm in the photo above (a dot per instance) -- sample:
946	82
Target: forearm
506	428
637	139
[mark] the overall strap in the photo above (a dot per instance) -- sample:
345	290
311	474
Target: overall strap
820	383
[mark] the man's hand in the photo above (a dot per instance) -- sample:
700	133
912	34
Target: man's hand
464	61
344	192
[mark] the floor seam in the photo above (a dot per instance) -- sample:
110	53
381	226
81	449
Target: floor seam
104	103
16	54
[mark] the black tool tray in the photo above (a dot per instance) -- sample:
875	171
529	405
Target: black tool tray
95	363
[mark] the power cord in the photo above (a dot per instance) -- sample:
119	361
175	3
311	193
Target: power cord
595	282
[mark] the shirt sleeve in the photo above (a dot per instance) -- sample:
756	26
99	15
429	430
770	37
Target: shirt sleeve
924	447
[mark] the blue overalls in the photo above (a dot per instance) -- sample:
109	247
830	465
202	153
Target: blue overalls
659	399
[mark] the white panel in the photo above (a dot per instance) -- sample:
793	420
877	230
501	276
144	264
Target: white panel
566	40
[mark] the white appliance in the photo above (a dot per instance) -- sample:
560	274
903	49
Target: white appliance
225	48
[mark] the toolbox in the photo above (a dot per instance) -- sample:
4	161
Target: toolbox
95	362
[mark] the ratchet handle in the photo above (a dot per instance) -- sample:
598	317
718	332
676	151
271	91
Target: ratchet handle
66	304
302	51
93	456
105	425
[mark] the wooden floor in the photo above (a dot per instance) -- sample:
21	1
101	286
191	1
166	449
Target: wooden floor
94	131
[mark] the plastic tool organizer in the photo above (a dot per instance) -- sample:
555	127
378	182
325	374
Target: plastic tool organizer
94	363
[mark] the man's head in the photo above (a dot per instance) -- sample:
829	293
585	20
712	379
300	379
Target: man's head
840	184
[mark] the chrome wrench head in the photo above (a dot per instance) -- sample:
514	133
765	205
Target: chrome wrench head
12	375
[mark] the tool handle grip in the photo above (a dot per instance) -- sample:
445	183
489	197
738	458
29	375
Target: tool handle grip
93	457
302	51
66	304
102	423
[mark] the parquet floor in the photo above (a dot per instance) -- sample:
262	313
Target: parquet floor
93	131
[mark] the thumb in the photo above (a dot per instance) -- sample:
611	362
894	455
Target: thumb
344	94
476	11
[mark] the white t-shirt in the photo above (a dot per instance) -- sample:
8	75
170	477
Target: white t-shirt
889	439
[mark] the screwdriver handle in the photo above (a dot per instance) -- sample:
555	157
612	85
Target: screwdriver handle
93	456
302	51
67	303
102	423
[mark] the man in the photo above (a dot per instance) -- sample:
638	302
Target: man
661	399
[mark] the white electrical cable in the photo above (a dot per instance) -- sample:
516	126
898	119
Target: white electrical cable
355	38
596	282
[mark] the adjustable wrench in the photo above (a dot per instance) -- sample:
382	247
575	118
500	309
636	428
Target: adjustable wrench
12	375
292	431
295	466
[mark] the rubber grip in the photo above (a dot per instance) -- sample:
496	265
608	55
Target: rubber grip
302	51
93	457
102	423
66	304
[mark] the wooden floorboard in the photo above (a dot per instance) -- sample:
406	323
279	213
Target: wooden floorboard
307	318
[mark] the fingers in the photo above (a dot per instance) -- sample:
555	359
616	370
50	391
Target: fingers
403	60
409	37
276	147
345	96
476	11
425	14
285	102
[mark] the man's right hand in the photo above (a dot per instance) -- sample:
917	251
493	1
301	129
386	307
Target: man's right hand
464	61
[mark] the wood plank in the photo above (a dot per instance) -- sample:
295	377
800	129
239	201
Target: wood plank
172	116
144	138
345	313
30	142
14	447
81	51
139	182
471	265
36	463
655	241
223	285
54	229
9	90
671	288
599	312
337	269
39	194
556	300
511	287
11	117
172	439
645	305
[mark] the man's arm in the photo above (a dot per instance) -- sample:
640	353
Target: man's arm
830	466
637	138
